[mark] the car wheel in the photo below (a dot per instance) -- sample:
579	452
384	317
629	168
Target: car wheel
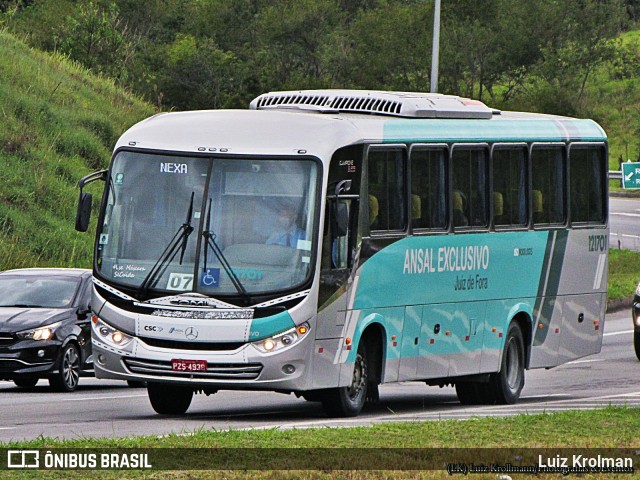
169	399
66	380
26	382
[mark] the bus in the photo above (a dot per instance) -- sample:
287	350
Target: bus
325	242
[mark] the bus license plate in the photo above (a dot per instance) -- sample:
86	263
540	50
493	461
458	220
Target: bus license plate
178	365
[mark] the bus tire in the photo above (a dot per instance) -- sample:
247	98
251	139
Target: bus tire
136	383
466	392
506	385
169	399
475	393
636	343
348	401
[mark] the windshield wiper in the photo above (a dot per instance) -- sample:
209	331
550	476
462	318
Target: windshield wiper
210	239
177	244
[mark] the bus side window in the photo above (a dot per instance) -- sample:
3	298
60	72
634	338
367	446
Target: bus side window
387	185
548	178
509	176
587	171
470	182
428	187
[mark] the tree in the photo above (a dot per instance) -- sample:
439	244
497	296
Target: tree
197	74
582	42
390	47
98	39
291	36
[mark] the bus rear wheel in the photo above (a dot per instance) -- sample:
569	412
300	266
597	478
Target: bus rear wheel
348	401
507	384
169	399
474	393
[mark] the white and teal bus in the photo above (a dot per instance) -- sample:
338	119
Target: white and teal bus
325	242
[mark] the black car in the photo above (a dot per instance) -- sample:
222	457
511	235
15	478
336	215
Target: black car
635	315
45	327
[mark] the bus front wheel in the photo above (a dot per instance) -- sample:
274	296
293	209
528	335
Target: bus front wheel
169	399
507	384
348	401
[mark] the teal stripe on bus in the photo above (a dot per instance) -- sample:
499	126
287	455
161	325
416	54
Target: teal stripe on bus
268	326
422	270
554	129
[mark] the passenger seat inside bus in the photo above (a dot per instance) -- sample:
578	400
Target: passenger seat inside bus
416	211
498	209
459	218
374	210
537	207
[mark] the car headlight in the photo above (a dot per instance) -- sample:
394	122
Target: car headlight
282	340
40	333
108	334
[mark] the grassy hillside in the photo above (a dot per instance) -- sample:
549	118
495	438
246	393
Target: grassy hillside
614	99
57	123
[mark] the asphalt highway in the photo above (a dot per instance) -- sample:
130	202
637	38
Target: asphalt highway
102	408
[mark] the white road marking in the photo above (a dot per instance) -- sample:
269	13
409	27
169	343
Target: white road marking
87	399
625	214
623	332
585	361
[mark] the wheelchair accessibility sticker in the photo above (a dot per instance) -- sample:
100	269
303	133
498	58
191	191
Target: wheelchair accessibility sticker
210	277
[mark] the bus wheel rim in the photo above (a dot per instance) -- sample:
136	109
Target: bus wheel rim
359	377
513	365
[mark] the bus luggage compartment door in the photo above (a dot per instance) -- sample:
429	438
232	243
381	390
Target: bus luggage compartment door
582	326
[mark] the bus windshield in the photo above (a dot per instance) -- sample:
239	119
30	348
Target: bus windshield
217	226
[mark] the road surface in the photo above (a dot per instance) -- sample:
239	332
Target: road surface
101	408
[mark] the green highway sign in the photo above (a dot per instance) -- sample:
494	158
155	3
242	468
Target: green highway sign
631	175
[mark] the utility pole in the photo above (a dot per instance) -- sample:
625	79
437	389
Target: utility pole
435	51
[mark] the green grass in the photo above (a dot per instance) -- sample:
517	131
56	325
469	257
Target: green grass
610	427
58	122
624	273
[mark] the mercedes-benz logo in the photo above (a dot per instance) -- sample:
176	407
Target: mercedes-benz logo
191	333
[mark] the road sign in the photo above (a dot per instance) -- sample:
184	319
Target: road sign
631	175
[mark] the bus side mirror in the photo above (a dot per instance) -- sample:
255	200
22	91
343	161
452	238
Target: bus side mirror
83	215
341	219
340	210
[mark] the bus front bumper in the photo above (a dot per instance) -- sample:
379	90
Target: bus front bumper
244	368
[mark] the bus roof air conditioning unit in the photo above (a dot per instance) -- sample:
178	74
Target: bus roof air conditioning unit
399	104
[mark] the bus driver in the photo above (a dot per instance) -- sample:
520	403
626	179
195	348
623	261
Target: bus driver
287	232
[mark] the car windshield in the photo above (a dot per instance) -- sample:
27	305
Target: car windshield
37	292
237	226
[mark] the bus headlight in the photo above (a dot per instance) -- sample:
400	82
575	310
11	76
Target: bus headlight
282	340
40	333
108	334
